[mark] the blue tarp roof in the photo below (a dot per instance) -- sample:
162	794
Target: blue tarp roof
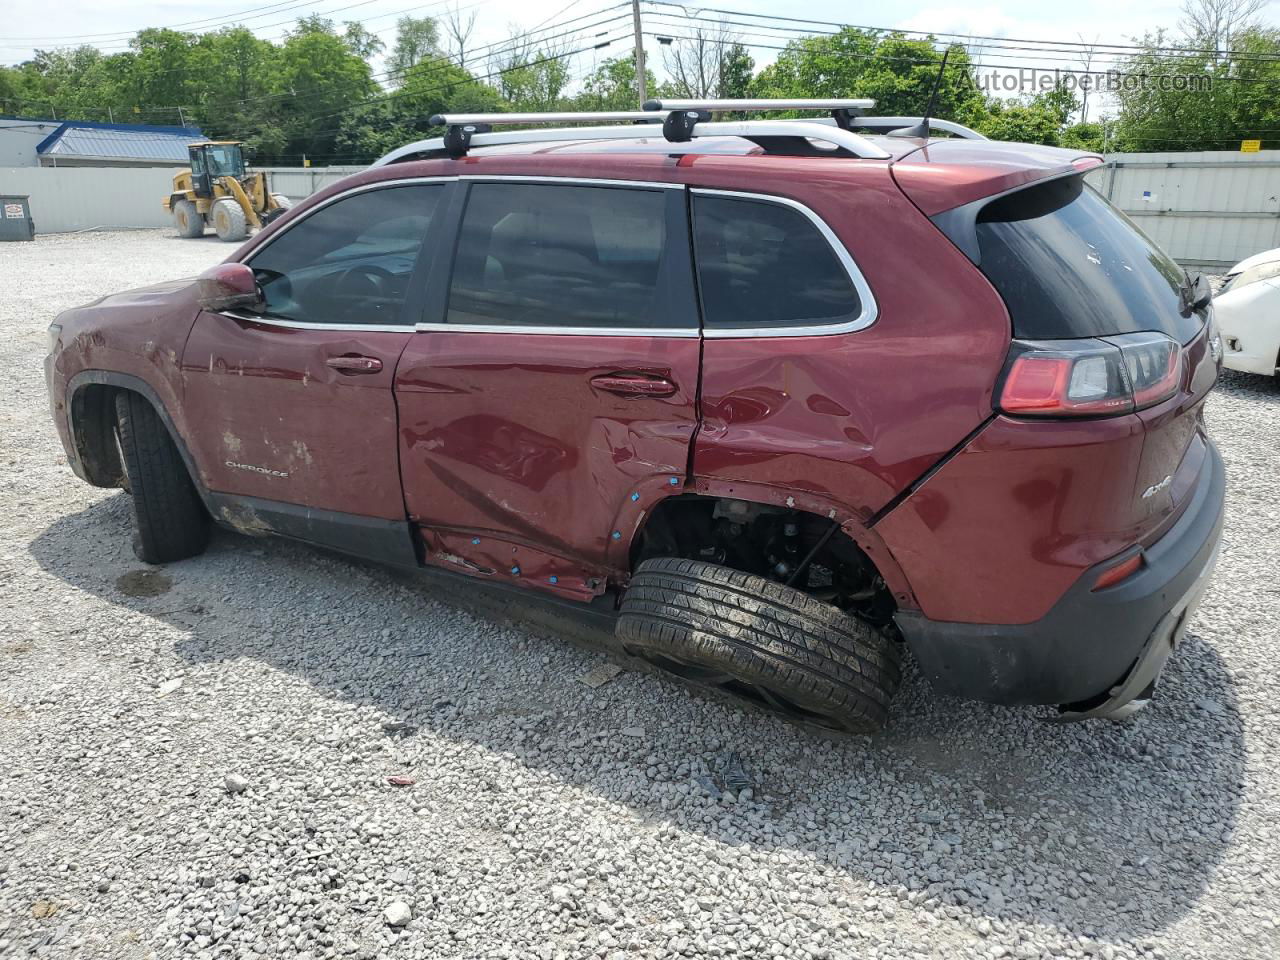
119	141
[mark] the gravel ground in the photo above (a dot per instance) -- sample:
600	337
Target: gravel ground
195	760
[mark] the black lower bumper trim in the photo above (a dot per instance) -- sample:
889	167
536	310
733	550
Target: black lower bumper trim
1091	646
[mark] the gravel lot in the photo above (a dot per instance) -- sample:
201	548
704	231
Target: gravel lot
195	760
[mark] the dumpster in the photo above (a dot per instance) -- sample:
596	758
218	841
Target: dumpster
15	219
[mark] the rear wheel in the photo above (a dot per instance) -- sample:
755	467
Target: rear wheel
188	220
761	641
229	220
170	522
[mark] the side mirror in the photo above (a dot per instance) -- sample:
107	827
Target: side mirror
226	286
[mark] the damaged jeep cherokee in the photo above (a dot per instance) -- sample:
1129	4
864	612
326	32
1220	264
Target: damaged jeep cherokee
790	397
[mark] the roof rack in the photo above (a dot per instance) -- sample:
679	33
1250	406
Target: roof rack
681	121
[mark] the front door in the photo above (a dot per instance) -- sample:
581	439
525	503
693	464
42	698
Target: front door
294	410
551	400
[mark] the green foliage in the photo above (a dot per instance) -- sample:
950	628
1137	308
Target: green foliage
612	86
314	92
417	39
1239	103
896	72
532	81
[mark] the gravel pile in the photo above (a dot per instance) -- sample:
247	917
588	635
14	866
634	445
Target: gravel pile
270	751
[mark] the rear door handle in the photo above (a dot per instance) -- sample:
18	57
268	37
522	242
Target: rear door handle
634	385
353	364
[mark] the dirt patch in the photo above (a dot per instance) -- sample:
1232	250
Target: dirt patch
143	583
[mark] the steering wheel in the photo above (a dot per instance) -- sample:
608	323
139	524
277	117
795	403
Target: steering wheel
363	282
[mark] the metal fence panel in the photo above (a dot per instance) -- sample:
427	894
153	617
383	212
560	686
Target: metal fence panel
1211	208
64	199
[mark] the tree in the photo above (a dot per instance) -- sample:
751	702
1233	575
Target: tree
736	72
1213	24
458	29
363	43
898	73
612	86
417	38
530	78
1206	98
318	80
696	65
430	87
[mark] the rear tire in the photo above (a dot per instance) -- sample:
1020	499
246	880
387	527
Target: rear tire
170	522
188	220
761	641
229	221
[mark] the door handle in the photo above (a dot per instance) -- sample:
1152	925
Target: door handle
352	364
634	385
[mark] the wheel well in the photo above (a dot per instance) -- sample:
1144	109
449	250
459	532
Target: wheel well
93	422
808	551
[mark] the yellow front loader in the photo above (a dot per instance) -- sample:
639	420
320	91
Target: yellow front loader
218	191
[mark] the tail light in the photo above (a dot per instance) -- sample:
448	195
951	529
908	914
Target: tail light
1090	378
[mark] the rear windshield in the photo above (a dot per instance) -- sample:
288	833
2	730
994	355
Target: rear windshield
1069	264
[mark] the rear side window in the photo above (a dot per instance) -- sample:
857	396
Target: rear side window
351	261
1069	265
763	265
551	255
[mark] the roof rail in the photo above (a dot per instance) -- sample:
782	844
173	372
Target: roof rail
758	105
682	120
510	119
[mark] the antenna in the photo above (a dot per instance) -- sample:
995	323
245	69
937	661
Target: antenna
921	129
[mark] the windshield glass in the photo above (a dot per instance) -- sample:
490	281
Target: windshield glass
1069	264
224	161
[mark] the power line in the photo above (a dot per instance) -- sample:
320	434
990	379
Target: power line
937	33
1037	52
880	57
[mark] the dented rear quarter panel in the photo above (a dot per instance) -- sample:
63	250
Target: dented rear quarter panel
855	418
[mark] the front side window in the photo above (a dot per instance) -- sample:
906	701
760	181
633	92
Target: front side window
349	262
551	255
762	265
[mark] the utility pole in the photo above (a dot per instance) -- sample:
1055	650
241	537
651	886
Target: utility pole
641	90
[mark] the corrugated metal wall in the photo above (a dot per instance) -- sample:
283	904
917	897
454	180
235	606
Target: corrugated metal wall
1209	208
64	199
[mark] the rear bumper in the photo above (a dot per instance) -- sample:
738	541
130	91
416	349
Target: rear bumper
1101	649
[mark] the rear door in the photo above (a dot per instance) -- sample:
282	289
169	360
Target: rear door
550	397
294	405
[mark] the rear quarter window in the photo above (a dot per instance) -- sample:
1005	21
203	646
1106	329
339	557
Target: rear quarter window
764	265
1068	264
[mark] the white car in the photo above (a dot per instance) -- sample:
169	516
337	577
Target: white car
1247	308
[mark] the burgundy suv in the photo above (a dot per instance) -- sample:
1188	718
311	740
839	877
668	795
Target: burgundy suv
789	396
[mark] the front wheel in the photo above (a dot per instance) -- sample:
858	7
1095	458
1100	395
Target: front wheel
170	522
229	221
761	641
188	220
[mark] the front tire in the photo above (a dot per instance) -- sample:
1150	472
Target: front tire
170	522
187	220
761	641
229	221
